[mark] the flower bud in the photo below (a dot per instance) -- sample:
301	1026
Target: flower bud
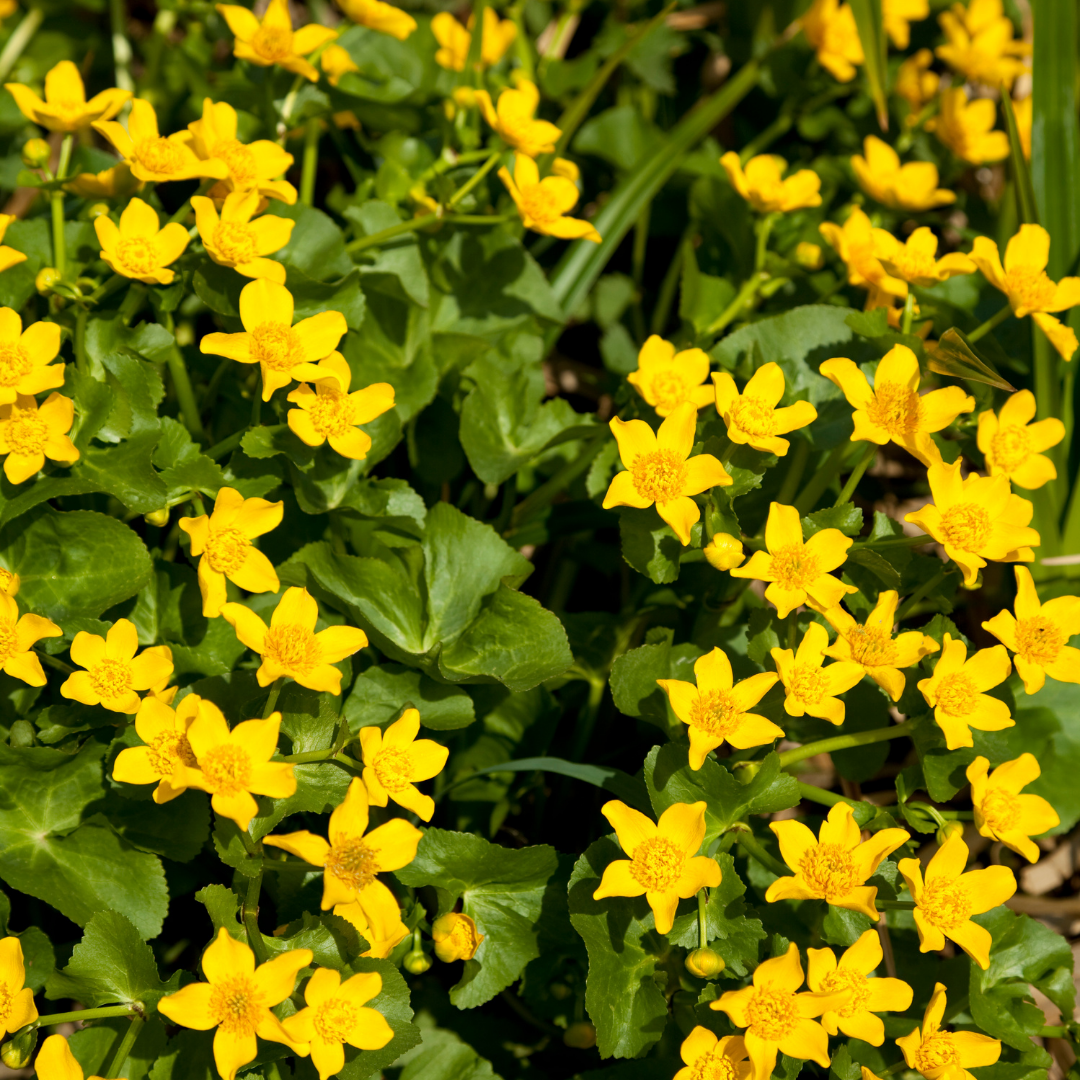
22	733
456	937
416	962
47	278
580	1036
705	963
949	830
99	209
157	517
724	552
9	581
809	256
36	154
16	1052
745	771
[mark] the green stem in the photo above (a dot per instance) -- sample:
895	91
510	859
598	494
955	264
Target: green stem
121	46
185	207
795	472
844	742
909	313
251	918
110	286
126	1044
482	219
474	60
104	1013
19	39
924	589
287	108
763	230
742	300
1050	1031
80	339
857	474
822	478
703	935
226	446
587	718
475	179
565	476
670	283
896	905
185	395
896	542
55	662
990	324
375	239
825	798
271	701
57	199
749	842
311	160
290	865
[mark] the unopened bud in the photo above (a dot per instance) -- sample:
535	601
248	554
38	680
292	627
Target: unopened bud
16	1052
949	830
47	279
724	552
745	771
22	733
157	517
580	1036
705	963
416	962
456	937
99	209
809	256
36	154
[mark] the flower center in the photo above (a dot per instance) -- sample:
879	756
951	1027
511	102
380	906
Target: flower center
754	416
228	768
1029	288
169	749
226	549
138	255
393	767
241	162
7	999
463	935
793	567
828	869
272	43
657	864
911	265
235	242
946	904
896	408
15	363
715	712
713	1066
957	694
1001	809
25	433
7	639
1038	640
872	647
159	156
332	412
669	389
110	678
854	982
1010	447
807	683
772	1014
335	1019
292	647
539	205
236	1005
277	346
659	476
937	1052
966	526
353	862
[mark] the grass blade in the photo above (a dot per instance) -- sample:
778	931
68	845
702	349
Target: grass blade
871	23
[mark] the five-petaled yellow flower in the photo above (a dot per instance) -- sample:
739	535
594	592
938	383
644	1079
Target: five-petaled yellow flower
777	1018
30	433
856	1017
706	1057
854	243
222	543
947	898
139	247
1013	446
946	1055
1023	279
1039	634
798	571
912	187
283	352
394	760
897	16
916	83
152	157
762	186
329	413
893	409
830	28
980	44
115	183
811	687
379	16
236	999
337	1014
514	119
114	674
664	864
18	635
165	735
9	257
957	691
65	107
752	417
871	644
717	710
666	378
454	39
234	240
659	469
17	1008
916	260
835	865
336	62
26	357
272	40
290	647
55	1061
455	937
966	128
1002	812
353	856
543	204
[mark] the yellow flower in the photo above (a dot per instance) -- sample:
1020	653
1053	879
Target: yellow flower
724	552
55	1061
666	378
980	44
854	243
868	996
151	157
911	187
115	183
762	187
237	241
716	710
454	40
456	937
513	119
165	735
872	646
223	540
956	691
234	766
543	204
1023	279
379	923
893	410
946	900
353	856
9	257
916	84
830	28
778	1019
335	62
915	261
835	865
376	15
330	413
9	582
798	572
659	469
897	14
811	688
18	635
65	107
17	1007
25	356
272	40
249	166
664	864
138	248
283	352
1002	813
976	519
113	672
706	1057
967	128
290	647
752	417
1023	114
29	434
946	1055
395	759
1039	634
236	999
336	1014
809	256
1012	445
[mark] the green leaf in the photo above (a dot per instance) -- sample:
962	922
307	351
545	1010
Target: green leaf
955	357
848	518
317	245
176	831
313	296
1021	171
633	682
223	907
702	297
441	1056
649	544
380	693
333	941
871	27
396	268
184	467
